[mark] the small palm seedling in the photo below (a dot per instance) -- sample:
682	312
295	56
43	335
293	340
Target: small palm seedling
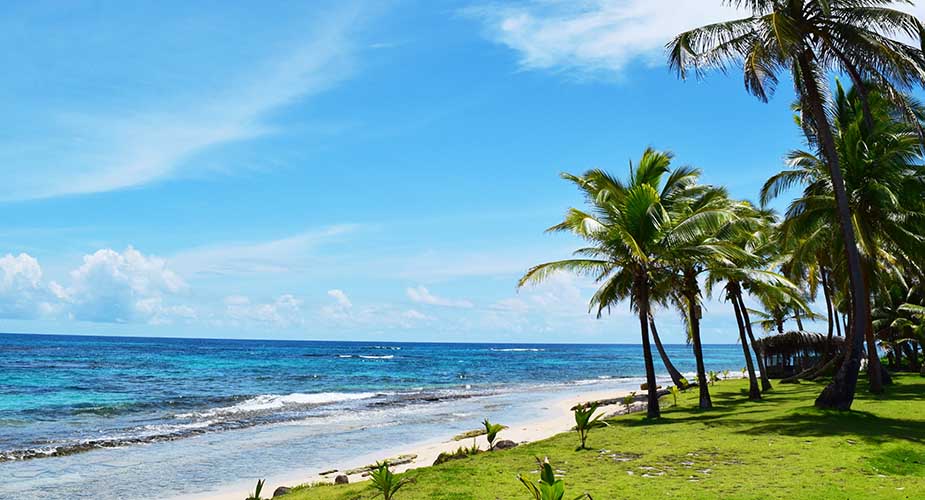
675	392
628	401
743	372
714	378
548	487
491	432
725	374
256	494
385	482
585	420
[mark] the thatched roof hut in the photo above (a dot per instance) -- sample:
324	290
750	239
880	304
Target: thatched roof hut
789	353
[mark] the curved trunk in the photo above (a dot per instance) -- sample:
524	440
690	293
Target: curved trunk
673	372
692	290
765	381
734	292
796	316
840	393
642	303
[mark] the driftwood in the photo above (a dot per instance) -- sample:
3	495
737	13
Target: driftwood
366	469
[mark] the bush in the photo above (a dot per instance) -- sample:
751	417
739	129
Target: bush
585	421
548	487
384	482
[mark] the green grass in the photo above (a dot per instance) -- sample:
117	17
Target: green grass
781	447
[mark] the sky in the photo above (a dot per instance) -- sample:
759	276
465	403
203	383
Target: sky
342	170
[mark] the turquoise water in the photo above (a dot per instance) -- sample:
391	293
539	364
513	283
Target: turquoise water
81	414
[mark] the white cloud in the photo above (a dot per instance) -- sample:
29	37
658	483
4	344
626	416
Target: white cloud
284	311
22	295
134	147
413	314
594	37
422	295
120	287
341	298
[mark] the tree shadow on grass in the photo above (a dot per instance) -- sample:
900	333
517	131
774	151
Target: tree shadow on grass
859	424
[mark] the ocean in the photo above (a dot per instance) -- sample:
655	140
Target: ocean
127	417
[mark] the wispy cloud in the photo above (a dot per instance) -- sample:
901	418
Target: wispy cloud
422	295
247	258
593	38
152	141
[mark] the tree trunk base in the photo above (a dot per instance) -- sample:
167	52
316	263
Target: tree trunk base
835	396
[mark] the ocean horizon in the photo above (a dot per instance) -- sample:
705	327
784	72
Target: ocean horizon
80	415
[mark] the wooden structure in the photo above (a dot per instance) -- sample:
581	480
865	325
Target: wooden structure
787	354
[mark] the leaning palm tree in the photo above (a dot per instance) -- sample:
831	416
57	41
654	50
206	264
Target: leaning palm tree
626	229
810	38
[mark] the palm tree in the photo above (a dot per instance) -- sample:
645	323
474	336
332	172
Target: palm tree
673	372
879	162
811	37
702	249
627	229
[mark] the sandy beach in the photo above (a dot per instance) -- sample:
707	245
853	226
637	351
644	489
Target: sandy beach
554	417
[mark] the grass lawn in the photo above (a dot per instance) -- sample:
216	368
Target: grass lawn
781	447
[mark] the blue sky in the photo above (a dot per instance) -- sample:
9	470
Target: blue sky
340	170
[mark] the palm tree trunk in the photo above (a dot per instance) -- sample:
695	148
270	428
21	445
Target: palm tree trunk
837	320
796	316
829	310
673	372
734	291
874	370
642	303
765	381
840	393
692	291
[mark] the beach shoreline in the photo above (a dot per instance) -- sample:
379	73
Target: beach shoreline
555	417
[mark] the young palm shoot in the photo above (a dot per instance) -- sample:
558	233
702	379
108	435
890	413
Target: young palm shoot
385	482
548	487
256	494
585	420
491	432
725	374
714	378
675	392
628	401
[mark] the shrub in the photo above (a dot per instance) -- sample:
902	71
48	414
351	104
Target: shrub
491	432
461	452
548	487
585	421
384	482
256	494
675	392
628	400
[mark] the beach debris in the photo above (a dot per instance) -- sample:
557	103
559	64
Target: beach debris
505	444
341	479
282	490
328	472
469	434
366	469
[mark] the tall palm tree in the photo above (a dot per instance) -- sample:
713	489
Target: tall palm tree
702	250
880	156
810	38
626	229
